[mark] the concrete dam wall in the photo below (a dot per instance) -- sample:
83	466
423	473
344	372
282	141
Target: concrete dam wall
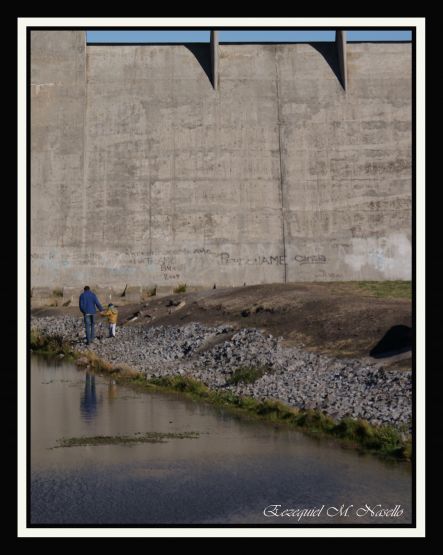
143	173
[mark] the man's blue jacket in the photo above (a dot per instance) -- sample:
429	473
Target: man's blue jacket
88	302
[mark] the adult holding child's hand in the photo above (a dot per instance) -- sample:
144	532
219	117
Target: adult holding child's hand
88	304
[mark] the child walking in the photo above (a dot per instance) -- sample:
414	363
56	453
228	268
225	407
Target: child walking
111	313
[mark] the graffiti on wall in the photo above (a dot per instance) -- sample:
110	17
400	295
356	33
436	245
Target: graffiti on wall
168	268
183	263
227	259
310	259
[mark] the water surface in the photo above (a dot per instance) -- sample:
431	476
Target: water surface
228	475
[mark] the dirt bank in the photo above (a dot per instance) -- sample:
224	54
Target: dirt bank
337	319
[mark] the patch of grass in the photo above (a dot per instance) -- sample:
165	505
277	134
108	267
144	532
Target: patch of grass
182	384
125	371
150	292
37	340
181	288
314	421
386	289
53	345
148	437
96	363
247	374
385	441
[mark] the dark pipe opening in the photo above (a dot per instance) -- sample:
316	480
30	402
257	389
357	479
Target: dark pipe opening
396	340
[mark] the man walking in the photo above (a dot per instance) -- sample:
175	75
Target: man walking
88	304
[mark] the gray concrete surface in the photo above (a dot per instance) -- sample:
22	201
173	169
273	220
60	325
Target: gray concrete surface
142	174
58	99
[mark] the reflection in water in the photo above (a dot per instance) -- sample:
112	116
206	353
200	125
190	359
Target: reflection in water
88	401
112	390
229	474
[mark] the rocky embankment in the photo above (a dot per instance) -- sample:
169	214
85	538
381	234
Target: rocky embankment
338	387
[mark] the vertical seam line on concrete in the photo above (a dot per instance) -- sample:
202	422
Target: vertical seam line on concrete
280	165
173	161
150	212
85	136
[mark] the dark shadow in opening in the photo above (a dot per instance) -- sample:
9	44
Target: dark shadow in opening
396	340
202	54
330	53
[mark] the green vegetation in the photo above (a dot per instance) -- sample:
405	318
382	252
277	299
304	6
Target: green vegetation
150	292
54	345
148	437
386	289
385	441
379	289
57	292
90	360
246	374
382	440
181	288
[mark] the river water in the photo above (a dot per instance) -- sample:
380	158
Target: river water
232	473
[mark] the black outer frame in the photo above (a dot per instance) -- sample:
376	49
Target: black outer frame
28	258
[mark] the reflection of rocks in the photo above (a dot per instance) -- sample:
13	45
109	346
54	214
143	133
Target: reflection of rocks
211	354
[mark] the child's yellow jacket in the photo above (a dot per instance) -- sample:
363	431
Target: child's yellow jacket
111	314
